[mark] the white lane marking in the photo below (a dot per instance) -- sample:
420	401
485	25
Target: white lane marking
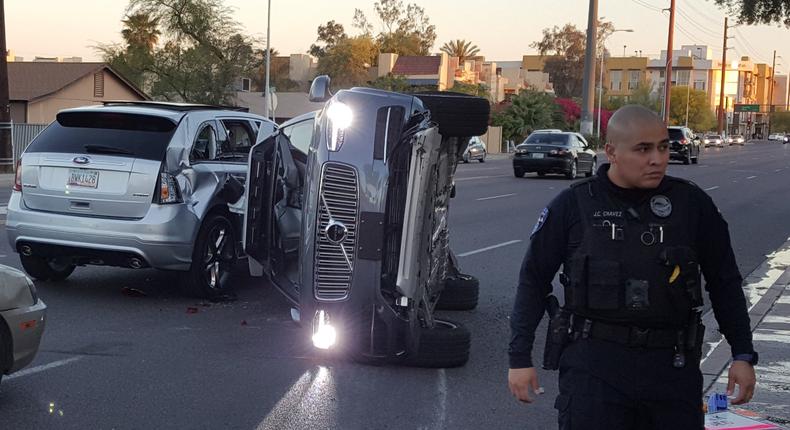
488	248
778	170
751	177
3	210
711	188
480	177
441	407
495	197
43	367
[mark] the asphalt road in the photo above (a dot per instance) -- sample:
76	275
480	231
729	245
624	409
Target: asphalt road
110	360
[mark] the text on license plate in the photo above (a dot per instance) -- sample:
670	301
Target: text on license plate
534	155
83	178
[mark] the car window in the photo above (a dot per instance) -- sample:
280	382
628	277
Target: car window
548	139
675	133
205	147
240	137
580	142
122	135
300	135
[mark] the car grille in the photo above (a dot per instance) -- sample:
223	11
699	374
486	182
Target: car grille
338	203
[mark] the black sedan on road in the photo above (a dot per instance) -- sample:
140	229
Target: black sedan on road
566	153
683	145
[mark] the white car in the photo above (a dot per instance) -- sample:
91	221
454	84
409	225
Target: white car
776	136
21	320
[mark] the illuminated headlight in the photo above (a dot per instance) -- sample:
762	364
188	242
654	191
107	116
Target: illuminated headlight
340	118
324	334
521	150
787	138
706	141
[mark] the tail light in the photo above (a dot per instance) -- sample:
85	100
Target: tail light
558	152
684	141
168	189
18	176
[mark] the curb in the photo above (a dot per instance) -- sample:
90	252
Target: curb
719	357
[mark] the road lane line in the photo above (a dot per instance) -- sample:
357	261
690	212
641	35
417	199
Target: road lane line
495	197
480	177
751	177
778	170
711	188
43	367
489	248
441	408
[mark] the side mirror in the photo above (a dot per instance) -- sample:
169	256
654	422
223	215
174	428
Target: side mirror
319	89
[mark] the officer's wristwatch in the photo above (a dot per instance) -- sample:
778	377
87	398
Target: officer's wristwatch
749	358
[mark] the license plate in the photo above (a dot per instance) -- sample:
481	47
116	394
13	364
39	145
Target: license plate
537	155
83	178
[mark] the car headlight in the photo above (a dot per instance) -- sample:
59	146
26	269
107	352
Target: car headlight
521	150
340	118
324	333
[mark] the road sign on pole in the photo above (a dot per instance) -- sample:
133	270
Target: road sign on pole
740	107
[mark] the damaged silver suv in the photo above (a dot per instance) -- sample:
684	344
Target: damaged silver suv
135	184
347	215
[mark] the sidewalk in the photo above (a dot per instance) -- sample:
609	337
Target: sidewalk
770	316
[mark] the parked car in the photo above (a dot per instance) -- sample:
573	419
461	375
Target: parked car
564	152
776	136
713	140
22	320
736	139
135	185
476	150
347	216
683	145
786	138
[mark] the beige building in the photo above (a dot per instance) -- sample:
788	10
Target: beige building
624	75
38	90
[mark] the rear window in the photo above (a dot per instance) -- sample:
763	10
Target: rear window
548	138
675	133
110	133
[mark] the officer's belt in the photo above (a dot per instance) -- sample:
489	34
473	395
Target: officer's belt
624	334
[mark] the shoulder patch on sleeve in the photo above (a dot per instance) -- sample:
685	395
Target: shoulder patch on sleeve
544	214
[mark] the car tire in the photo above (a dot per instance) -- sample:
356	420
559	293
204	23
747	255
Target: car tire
445	345
461	293
695	160
574	170
541	174
466	159
458	115
213	258
687	160
593	167
519	173
45	270
482	160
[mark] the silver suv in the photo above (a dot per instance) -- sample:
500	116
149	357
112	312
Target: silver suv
135	184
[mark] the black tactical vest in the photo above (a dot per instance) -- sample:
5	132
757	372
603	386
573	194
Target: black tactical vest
636	264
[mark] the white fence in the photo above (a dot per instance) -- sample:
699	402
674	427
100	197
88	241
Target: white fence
22	135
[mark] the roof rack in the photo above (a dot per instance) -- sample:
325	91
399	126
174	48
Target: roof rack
178	107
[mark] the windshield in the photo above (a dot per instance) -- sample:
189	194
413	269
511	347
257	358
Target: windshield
547	139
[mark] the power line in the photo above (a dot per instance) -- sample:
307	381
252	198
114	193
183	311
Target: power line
698	25
714	21
647	5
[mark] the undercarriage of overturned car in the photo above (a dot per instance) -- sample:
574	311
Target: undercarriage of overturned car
354	229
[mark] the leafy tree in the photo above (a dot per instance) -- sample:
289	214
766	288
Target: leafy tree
700	114
347	62
405	31
759	11
461	49
141	31
479	90
566	48
780	122
392	82
529	110
643	95
329	35
132	60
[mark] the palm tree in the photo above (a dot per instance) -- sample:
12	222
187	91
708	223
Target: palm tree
461	49
141	31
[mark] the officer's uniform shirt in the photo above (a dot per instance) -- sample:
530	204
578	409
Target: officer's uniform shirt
558	233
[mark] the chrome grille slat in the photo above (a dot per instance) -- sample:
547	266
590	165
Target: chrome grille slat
338	196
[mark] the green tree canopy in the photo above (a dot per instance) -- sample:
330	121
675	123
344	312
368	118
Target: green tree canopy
759	11
529	110
460	48
348	61
700	115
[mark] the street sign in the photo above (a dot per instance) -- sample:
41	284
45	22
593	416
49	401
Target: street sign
746	108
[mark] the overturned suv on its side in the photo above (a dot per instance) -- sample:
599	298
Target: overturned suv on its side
347	215
135	185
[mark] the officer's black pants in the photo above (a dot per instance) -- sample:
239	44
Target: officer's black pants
605	385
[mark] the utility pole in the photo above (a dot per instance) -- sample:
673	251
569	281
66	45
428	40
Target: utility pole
723	73
668	71
588	84
266	92
771	92
6	150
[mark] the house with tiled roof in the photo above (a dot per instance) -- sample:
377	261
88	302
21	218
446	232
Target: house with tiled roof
424	71
38	90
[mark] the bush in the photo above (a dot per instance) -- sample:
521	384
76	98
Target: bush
595	143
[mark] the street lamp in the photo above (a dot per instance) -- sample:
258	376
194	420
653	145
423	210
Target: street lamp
266	92
600	86
688	85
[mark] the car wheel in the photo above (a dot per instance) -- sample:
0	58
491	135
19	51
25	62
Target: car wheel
519	173
213	259
541	174
573	172
445	345
593	167
482	160
460	293
46	270
458	115
466	158
695	160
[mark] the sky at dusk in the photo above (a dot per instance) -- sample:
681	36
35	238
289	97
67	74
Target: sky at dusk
503	30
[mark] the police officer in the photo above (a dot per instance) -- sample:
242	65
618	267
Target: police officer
631	241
